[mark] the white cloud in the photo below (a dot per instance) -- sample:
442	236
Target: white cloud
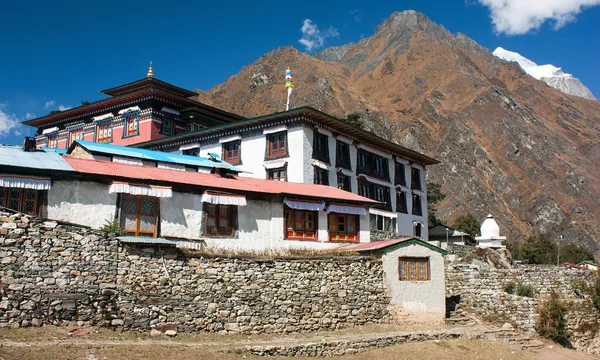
49	104
356	14
29	116
8	122
63	107
312	37
515	17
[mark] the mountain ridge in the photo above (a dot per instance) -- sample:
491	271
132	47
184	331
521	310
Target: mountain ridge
509	144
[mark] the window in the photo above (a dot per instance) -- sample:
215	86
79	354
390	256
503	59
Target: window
75	135
278	174
22	200
373	165
220	220
384	223
418	229
51	141
342	155
416	205
415	178
192	151
232	152
194	127
401	205
131	125
413	269
343	227
321	176
320	146
364	189
376	192
139	215
382	194
168	124
344	182
276	144
300	224
400	177
103	132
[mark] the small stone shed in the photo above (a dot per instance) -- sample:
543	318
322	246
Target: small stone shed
414	277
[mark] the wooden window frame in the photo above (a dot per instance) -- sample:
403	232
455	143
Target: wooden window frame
99	128
366	163
320	147
292	232
127	118
321	173
73	134
52	141
408	262
417	230
417	210
233	159
415	179
22	200
343	235
170	129
401	195
400	174
281	151
271	171
138	215
231	211
342	155
340	184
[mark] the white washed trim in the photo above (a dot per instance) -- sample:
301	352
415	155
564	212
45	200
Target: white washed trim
204	170
402	161
375	181
169	110
276	163
415	222
345	171
386	214
50	130
304	205
25	182
344	209
238	200
126	160
275	129
344	139
323	131
403	188
320	164
227	139
417	166
189	146
133	108
374	151
167	166
419	192
146	190
102	117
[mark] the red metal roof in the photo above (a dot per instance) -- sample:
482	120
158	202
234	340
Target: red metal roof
375	245
235	184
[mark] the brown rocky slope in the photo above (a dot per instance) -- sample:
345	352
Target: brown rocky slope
509	145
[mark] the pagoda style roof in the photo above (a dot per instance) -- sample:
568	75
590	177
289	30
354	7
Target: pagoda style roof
145	83
339	126
125	99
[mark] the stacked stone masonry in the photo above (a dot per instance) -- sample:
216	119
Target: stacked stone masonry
480	293
54	273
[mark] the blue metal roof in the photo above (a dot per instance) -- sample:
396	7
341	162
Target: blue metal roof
39	159
153	155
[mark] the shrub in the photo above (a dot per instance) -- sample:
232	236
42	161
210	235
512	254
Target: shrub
580	288
113	227
551	323
467	223
510	288
525	290
594	290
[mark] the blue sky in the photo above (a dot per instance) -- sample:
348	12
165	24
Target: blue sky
55	54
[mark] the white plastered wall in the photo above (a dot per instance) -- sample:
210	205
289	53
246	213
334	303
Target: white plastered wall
81	202
181	216
416	301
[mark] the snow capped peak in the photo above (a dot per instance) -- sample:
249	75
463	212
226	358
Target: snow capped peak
552	75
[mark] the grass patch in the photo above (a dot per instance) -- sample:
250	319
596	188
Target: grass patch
551	323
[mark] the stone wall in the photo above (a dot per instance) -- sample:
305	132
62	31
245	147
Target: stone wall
479	291
52	273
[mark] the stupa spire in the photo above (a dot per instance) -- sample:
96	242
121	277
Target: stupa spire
150	71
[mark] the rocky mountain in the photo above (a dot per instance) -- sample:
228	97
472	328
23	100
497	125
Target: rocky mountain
550	74
509	145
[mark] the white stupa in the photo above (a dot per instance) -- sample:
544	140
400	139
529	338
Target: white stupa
490	234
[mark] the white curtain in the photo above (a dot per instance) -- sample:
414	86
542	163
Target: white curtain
239	200
25	182
156	191
346	209
304	205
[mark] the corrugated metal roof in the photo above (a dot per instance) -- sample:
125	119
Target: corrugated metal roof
40	159
380	245
236	184
142	240
155	155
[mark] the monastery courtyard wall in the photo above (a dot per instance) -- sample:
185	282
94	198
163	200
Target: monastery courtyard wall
51	273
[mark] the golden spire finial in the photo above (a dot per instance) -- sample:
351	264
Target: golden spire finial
150	71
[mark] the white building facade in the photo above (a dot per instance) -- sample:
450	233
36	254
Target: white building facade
304	145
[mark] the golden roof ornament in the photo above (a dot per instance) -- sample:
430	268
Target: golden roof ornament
150	71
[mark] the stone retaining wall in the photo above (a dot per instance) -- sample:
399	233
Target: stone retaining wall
52	273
